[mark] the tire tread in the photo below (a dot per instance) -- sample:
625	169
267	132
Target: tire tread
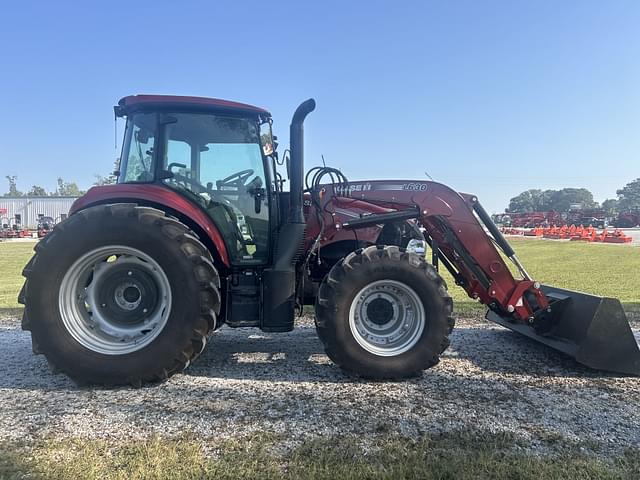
329	297
195	253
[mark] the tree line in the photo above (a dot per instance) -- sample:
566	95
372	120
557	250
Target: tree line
535	200
63	188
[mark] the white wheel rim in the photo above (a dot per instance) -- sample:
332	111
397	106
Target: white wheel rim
115	300
387	318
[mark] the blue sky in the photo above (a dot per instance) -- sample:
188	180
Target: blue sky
489	97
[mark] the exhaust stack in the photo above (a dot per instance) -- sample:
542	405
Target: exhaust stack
296	141
279	282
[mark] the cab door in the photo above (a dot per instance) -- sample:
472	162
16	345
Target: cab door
219	160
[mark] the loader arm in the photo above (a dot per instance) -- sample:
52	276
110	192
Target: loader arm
455	230
591	329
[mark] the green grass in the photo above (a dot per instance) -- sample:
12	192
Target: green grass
13	258
606	270
456	455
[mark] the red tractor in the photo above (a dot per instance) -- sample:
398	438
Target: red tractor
535	219
628	219
199	232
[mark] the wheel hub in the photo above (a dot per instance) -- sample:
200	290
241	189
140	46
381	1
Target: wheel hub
126	292
387	318
131	294
380	311
127	296
115	300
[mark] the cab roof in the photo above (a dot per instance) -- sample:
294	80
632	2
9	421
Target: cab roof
133	103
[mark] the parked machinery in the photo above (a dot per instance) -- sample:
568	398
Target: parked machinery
628	219
12	227
45	225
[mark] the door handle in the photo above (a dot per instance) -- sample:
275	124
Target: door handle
258	193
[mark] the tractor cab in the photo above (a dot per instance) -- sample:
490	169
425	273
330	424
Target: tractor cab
218	154
216	160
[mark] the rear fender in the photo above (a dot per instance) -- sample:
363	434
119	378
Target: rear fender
165	199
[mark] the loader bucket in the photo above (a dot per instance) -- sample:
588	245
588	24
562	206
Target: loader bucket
593	330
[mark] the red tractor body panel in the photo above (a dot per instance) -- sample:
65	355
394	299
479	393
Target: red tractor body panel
155	195
345	209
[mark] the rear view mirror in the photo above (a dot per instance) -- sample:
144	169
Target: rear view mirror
266	139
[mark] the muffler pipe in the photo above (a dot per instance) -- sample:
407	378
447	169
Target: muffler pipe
296	143
279	282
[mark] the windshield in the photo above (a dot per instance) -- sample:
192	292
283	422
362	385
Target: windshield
137	159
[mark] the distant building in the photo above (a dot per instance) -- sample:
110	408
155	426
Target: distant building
29	209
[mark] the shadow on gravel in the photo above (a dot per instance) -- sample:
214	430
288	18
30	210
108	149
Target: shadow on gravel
249	354
298	356
502	351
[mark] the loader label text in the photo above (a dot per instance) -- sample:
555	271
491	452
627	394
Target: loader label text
415	186
351	188
348	189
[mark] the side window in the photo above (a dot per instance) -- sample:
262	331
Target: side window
138	165
179	157
221	160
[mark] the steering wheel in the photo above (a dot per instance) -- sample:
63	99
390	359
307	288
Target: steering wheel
235	180
186	180
196	187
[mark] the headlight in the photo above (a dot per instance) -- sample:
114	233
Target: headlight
416	246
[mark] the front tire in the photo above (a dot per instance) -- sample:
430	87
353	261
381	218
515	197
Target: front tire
120	294
383	313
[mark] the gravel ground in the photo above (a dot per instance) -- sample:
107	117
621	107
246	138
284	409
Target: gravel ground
247	381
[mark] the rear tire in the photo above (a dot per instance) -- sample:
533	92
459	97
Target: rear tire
383	313
120	294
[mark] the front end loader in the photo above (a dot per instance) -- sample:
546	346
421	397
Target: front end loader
199	232
463	238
